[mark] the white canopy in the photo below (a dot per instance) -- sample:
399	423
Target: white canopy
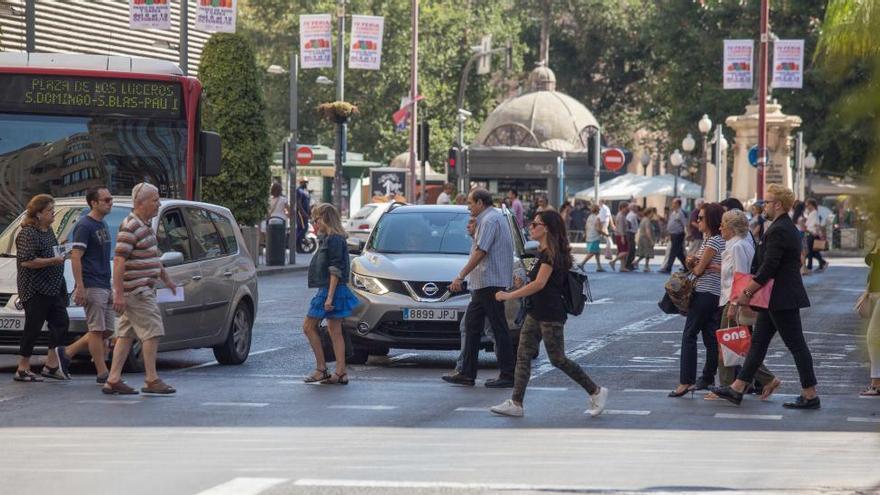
630	186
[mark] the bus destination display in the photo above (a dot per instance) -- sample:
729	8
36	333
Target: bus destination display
46	94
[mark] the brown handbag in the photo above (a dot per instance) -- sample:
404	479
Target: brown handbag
820	245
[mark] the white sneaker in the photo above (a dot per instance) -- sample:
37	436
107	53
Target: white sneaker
508	408
597	402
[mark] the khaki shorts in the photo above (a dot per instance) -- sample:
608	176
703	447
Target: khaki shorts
100	316
142	318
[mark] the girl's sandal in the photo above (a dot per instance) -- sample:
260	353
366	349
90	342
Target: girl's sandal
769	389
312	378
335	379
26	376
870	392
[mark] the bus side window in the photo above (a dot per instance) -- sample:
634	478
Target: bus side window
173	236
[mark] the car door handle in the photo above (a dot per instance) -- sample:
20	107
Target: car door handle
227	274
197	277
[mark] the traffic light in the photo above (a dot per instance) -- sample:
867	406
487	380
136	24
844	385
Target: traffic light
452	160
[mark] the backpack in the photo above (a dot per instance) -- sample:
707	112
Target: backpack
576	293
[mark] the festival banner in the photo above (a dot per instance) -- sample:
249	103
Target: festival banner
315	41
366	42
149	14
738	55
216	16
788	64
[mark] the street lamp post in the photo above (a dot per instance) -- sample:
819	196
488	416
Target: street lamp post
341	127
676	159
810	164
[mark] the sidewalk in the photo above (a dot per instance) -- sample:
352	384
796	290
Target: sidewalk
302	264
660	251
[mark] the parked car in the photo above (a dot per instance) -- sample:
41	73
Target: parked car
364	220
203	251
402	275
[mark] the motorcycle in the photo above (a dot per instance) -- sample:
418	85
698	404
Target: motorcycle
309	242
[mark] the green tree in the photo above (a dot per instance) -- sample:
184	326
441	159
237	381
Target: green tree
234	107
448	28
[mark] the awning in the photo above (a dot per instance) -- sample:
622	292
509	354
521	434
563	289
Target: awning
630	186
827	186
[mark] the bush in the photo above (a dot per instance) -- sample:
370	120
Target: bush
234	107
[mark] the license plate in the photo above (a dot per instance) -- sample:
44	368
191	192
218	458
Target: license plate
419	314
11	323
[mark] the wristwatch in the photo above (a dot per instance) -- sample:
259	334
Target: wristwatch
748	293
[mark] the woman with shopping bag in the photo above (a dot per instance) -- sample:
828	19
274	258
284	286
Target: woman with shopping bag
867	308
739	250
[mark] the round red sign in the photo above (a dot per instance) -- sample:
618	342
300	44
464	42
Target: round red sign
304	155
613	159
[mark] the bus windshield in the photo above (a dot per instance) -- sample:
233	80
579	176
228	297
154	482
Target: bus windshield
65	155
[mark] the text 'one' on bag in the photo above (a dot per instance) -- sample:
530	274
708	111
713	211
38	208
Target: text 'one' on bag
734	343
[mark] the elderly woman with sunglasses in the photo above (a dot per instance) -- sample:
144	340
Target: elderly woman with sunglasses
739	250
703	314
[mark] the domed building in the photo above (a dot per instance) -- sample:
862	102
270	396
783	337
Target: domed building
537	142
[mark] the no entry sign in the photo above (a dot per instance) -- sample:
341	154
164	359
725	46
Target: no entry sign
613	159
304	155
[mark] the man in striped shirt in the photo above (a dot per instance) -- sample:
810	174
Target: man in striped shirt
136	270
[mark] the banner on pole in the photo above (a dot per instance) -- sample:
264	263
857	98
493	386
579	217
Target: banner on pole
149	14
738	56
216	16
788	64
401	116
315	41
366	42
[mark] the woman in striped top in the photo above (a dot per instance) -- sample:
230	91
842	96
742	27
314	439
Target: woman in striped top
704	314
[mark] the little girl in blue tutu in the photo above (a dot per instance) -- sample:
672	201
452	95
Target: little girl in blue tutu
329	272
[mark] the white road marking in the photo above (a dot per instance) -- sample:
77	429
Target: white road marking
651	390
870	397
127	402
863	420
48	470
364	408
549	389
472	409
243	486
748	416
6	399
347	483
604	300
659	331
215	363
626	412
850	335
235	404
594	345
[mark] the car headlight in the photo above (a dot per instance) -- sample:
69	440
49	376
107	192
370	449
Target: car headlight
370	284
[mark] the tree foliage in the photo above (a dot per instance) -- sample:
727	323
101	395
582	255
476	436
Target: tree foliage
234	107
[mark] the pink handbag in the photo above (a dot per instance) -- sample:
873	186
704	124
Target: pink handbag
760	299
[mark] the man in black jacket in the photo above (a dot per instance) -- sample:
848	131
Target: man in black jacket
778	258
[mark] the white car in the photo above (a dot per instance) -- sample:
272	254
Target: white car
362	222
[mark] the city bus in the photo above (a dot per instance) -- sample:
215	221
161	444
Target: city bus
70	121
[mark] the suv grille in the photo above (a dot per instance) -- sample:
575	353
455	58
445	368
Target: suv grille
398	287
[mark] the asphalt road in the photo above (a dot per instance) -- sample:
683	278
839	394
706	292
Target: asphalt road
256	428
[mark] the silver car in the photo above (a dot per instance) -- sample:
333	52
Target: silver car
402	275
204	253
364	220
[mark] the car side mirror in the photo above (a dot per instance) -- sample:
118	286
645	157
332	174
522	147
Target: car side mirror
355	246
530	248
171	258
209	151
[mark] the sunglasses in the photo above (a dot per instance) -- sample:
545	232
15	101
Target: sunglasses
701	218
535	224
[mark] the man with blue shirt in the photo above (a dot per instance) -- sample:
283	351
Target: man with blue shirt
90	262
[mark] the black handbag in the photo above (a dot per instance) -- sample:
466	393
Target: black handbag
667	306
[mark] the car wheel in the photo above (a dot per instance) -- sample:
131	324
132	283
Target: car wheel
135	361
237	346
359	356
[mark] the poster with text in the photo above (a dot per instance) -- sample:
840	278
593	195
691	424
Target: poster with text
216	16
366	42
149	14
315	41
387	184
738	64
788	64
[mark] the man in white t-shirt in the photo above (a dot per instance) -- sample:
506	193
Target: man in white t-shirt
815	231
445	197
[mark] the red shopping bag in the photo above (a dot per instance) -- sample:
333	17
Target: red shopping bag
760	299
734	343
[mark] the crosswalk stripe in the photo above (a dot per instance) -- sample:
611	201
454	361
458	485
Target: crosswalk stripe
748	416
127	402
626	412
235	404
243	486
472	409
854	419
364	408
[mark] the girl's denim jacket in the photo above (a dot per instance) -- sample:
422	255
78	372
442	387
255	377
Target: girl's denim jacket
331	258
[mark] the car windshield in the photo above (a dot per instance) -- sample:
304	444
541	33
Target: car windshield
364	212
66	218
422	233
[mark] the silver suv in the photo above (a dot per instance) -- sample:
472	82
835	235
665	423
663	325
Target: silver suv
402	274
203	251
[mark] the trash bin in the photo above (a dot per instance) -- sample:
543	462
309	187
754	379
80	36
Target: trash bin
276	242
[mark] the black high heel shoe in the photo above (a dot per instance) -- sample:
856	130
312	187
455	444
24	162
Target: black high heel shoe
676	395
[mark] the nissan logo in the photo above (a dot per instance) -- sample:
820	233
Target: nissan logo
430	289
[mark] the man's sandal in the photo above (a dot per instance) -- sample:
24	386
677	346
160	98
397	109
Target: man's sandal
313	379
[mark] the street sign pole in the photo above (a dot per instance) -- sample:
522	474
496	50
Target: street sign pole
763	53
290	160
597	163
